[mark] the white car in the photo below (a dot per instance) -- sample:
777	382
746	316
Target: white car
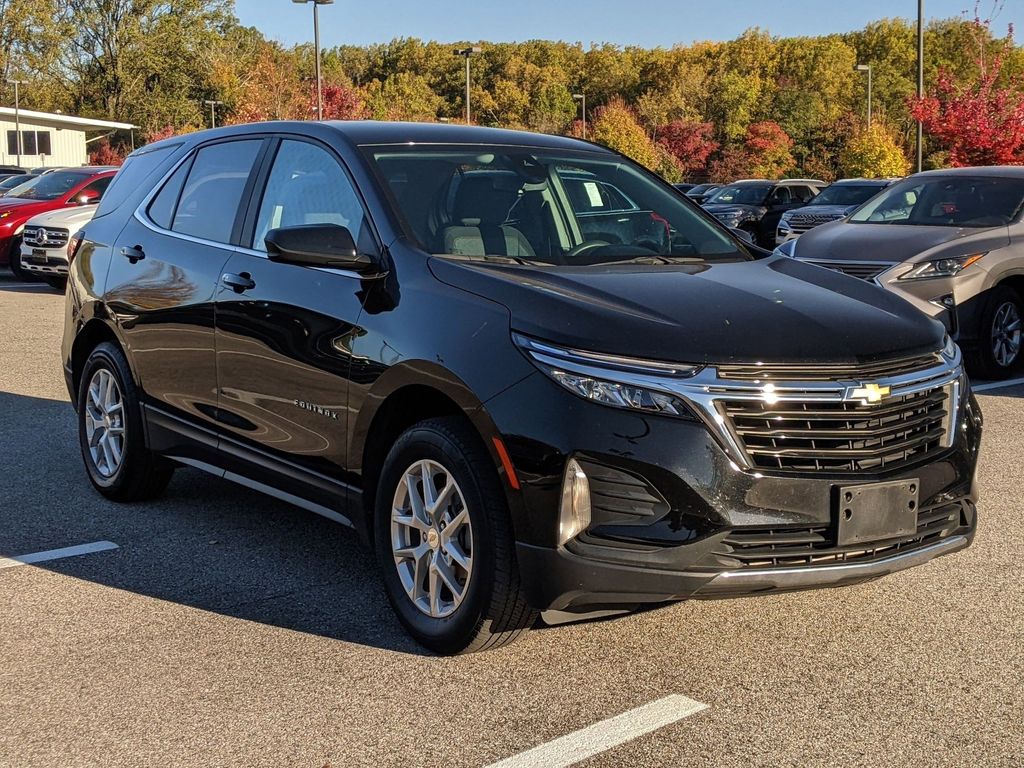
44	242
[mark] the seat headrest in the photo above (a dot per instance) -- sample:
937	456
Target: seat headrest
478	201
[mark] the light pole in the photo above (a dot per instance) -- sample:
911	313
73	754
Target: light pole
213	104
920	75
468	53
582	97
17	116
866	68
316	45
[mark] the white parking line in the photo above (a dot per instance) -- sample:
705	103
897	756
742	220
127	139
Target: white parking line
602	736
56	554
997	384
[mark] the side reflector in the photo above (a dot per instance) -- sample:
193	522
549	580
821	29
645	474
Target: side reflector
506	462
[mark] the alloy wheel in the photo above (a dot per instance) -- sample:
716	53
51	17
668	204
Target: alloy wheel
1006	334
104	423
432	538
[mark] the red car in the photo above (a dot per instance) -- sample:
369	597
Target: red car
49	192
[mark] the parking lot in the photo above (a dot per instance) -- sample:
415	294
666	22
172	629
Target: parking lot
227	628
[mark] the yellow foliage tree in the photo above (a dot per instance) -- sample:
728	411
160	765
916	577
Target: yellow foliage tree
615	125
874	153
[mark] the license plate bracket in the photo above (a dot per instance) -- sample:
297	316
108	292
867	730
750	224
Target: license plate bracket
876	511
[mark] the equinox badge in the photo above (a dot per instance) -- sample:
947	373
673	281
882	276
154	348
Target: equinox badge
869	393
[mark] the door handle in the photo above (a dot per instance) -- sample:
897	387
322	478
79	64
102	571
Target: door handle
238	283
134	254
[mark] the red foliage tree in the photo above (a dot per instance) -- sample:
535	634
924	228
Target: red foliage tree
691	143
978	123
106	154
161	133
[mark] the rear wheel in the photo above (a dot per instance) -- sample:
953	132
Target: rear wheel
444	541
110	431
998	350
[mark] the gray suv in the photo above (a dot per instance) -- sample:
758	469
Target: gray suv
951	242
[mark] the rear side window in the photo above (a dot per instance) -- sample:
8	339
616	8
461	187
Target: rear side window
131	177
213	190
161	210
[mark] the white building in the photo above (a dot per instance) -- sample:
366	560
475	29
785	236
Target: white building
50	139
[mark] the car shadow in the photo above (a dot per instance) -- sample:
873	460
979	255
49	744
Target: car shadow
206	543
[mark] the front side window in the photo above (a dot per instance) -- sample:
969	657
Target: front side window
543	207
960	201
97	188
213	191
307	186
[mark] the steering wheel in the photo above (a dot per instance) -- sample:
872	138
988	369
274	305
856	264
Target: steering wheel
584	248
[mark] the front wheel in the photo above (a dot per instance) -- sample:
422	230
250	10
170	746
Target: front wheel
14	255
110	431
444	541
998	350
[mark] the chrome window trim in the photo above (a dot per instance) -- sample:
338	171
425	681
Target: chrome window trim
705	390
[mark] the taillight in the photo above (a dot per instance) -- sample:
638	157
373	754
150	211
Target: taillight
73	242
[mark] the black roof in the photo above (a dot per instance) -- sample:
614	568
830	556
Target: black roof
370	132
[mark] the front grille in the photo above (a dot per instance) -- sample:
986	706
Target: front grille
55	238
865	270
806	221
829	372
788	547
846	436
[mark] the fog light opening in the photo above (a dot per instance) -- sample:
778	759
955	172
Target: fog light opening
574	511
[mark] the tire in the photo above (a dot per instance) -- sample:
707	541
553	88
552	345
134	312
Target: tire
139	474
57	282
14	257
492	611
984	361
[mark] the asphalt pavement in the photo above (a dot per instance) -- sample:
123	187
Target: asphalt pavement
231	629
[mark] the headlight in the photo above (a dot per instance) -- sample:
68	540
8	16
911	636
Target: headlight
941	267
5	214
619	382
787	216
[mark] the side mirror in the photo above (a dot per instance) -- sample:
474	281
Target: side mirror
744	235
317	245
87	198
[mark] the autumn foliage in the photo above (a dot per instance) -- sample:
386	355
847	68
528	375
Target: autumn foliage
106	154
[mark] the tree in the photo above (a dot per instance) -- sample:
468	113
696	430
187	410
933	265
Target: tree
978	121
690	143
768	147
874	153
105	154
403	96
341	103
615	125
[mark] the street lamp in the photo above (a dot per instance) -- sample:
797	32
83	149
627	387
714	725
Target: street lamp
213	104
866	68
920	75
582	97
17	116
316	44
467	53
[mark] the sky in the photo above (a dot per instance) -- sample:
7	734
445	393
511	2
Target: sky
646	23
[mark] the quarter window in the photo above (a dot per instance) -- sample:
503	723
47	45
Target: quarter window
212	193
161	210
307	186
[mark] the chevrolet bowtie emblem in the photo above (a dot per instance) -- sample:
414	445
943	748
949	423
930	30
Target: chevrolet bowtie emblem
870	393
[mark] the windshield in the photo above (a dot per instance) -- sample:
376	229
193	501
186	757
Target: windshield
960	201
701	189
15	181
845	194
741	194
50	186
544	207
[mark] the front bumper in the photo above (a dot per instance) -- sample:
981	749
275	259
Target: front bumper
54	262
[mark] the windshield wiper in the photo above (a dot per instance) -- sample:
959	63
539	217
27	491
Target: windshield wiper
658	259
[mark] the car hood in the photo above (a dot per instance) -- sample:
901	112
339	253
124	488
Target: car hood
71	218
719	208
21	207
896	243
771	310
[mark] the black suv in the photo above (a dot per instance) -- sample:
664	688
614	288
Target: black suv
756	206
414	330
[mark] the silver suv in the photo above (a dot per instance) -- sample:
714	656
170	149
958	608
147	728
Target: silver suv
952	243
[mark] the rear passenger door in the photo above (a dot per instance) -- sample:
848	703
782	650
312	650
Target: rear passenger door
165	268
284	332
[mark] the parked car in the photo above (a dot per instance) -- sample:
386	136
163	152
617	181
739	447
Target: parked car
757	205
45	240
11	169
407	328
950	242
48	192
684	188
13	181
834	202
700	193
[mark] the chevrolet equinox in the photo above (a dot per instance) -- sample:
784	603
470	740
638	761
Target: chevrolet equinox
530	374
